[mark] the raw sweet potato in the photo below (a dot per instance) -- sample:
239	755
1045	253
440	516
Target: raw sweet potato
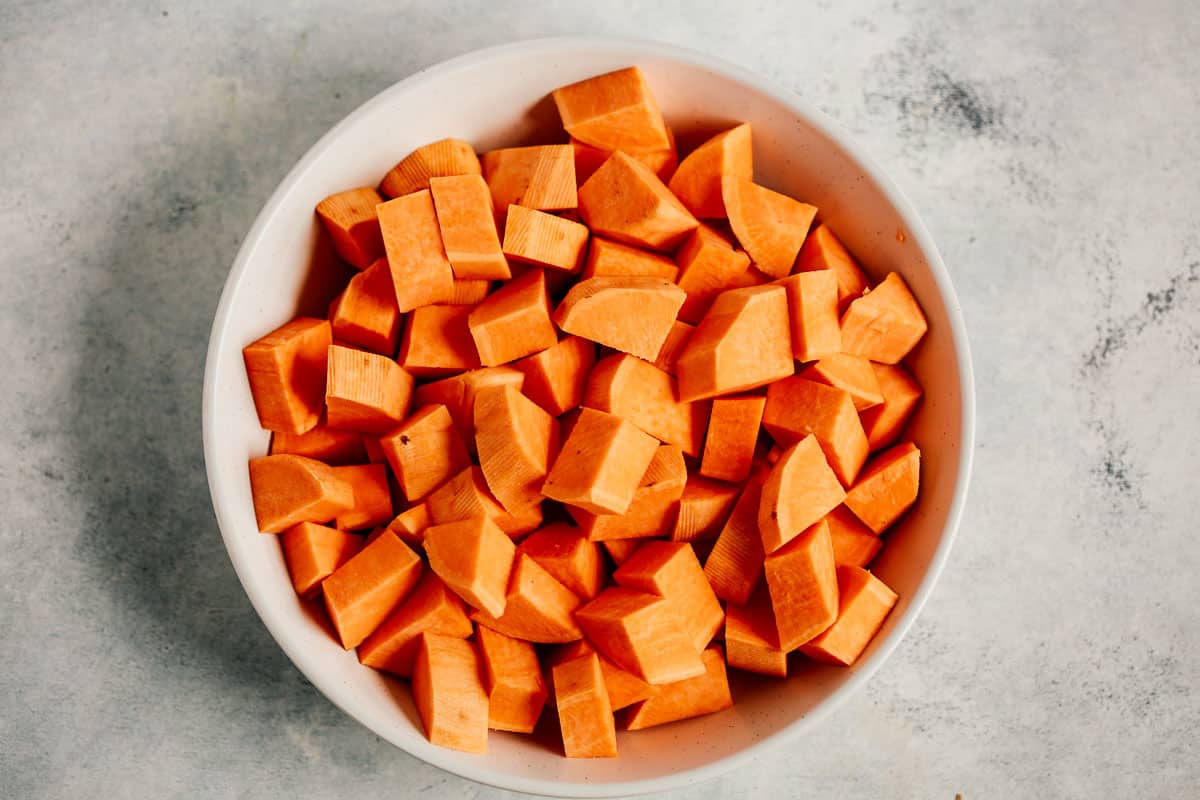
771	226
624	688
887	487
884	423
823	251
854	544
850	373
630	314
516	440
684	699
802	580
585	715
614	111
514	321
333	447
654	507
638	391
289	489
555	377
424	451
365	314
704	507
607	259
372	497
537	608
588	159
697	181
626	201
751	638
541	177
457	394
437	342
813	309
466	495
885	324
732	435
443	158
799	491
430	607
365	392
672	346
708	265
544	240
421	273
797	407
601	464
467	222
671	570
361	593
286	369
313	552
642	633
474	558
735	563
351	221
410	525
448	691
513	679
864	603
565	552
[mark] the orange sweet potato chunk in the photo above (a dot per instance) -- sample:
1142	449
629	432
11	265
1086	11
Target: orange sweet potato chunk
887	487
333	447
704	507
544	240
864	604
645	395
797	407
361	593
555	378
671	570
443	158
708	265
614	111
353	225
437	342
540	177
799	491
654	507
885	324
692	697
289	489
425	451
313	552
467	222
642	633
626	201
513	678
771	226
474	558
672	346
537	609
751	638
854	544
802	580
812	304
884	423
601	464
661	161
823	251
567	554
421	273
430	607
365	392
698	179
851	373
607	259
514	321
585	714
631	314
410	525
469	292
286	369
736	561
457	394
372	497
624	688
516	440
448	690
732	436
466	495
365	314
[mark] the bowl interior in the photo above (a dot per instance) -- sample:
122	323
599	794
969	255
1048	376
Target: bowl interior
497	98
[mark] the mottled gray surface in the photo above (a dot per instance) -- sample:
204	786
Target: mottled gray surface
1052	149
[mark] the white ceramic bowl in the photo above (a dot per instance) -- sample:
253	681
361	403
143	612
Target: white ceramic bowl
497	97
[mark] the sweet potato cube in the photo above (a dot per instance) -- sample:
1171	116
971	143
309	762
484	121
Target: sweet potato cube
540	177
614	111
624	688
630	314
735	563
353	225
672	346
601	464
619	550
537	608
626	201
607	259
410	525
457	394
516	440
813	310
313	552
555	378
751	639
513	679
588	159
286	369
742	343
884	423
474	558
708	265
372	497
425	451
864	604
467	222
323	443
638	391
430	607
289	489
365	392
514	321
585	714
887	487
654	506
421	273
469	292
732	436
771	226
440	159
365	314
466	495
704	507
854	544
361	593
692	697
642	633
802	580
797	407
448	691
565	552
884	324
799	491
544	240
851	373
823	251
697	180
671	570
437	342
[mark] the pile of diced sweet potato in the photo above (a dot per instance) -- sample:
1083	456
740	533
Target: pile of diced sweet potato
545	353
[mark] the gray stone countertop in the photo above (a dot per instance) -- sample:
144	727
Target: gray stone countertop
1052	149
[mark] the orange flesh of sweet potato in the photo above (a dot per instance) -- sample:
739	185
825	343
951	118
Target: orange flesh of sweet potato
823	251
671	570
469	292
631	314
588	159
430	607
372	497
735	563
421	273
514	321
813	310
474	558
887	487
802	580
448	691
885	324
565	552
614	111
286	369
799	491
704	507
333	447
607	259
851	373
555	377
672	346
854	544
466	495
751	639
626	201
645	395
585	714
443	158
884	423
642	633
289	489
467	222
361	593
732	436
516	440
619	550
365	314
865	602
742	343
425	451
513	679
697	181
365	392
707	267
540	177
457	394
691	697
351	221
624	688
437	342
601	464
654	505
771	226
544	240
797	407
313	552
410	525
537	609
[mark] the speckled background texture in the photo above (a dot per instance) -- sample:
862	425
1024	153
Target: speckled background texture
1052	149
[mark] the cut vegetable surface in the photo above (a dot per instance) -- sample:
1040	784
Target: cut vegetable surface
630	314
286	369
442	158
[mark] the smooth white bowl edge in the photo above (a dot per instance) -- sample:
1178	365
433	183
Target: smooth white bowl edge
453	762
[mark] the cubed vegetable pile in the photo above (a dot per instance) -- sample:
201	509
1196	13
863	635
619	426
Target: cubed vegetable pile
584	411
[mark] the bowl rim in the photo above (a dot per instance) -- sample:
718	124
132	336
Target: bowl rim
451	761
